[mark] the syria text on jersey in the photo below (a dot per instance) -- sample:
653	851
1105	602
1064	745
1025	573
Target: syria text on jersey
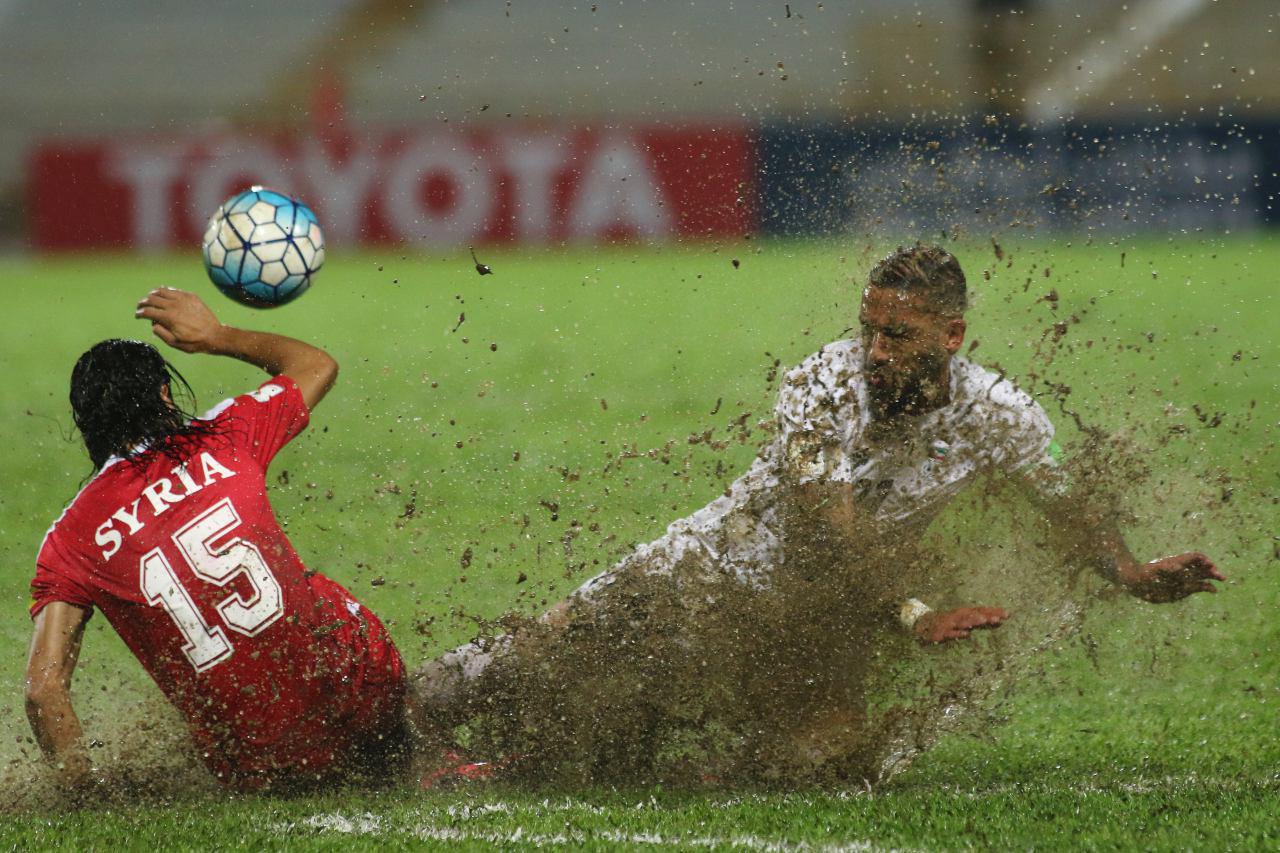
159	496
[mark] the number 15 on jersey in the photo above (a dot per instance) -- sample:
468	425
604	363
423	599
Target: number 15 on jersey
215	556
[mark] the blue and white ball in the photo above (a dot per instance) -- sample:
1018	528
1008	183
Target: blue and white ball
262	248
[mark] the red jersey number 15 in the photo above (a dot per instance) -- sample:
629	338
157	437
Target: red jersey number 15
216	557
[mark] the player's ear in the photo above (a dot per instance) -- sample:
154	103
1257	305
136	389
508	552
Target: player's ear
953	334
165	395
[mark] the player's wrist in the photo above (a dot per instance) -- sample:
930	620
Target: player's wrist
915	616
222	340
1130	573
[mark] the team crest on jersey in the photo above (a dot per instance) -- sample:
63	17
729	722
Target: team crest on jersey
939	450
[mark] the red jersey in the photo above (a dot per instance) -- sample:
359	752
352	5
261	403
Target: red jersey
278	670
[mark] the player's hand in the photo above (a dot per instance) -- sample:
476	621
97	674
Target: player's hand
74	769
1172	578
91	790
80	781
180	319
941	627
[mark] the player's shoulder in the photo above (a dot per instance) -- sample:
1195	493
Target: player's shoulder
276	387
65	529
995	394
837	357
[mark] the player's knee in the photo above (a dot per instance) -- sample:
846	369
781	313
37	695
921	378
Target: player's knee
558	616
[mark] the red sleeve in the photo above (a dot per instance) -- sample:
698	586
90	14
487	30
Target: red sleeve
267	419
59	577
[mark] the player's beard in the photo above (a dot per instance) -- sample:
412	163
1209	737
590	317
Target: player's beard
897	392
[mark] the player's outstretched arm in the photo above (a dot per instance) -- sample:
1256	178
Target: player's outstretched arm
55	648
184	322
1092	534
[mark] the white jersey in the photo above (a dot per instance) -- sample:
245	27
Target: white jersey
822	420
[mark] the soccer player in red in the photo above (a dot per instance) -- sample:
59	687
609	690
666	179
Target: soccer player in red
285	680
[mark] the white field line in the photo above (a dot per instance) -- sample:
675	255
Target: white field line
1140	785
368	824
442	825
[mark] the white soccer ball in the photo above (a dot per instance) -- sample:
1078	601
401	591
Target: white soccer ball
262	248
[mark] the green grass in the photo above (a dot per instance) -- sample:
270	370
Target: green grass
1053	812
1157	732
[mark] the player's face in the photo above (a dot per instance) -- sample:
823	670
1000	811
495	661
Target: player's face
908	347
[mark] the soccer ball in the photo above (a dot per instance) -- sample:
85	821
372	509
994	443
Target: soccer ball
262	248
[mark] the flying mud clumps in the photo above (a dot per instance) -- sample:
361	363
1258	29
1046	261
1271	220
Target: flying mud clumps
691	678
146	756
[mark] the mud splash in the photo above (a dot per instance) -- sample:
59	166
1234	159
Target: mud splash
692	679
695	681
142	754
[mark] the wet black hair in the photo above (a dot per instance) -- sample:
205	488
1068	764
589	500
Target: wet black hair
118	404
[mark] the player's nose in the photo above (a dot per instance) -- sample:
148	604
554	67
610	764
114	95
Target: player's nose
877	354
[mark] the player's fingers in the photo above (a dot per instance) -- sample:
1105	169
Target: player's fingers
981	617
164	334
150	312
160	295
1205	568
1195	560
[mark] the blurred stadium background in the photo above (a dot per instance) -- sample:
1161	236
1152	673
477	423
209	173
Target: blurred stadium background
451	124
511	125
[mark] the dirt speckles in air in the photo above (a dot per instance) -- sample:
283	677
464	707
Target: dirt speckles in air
481	269
552	507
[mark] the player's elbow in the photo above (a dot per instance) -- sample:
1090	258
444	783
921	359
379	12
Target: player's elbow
35	709
327	370
320	374
42	692
319	367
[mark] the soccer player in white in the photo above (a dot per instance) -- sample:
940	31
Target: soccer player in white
882	431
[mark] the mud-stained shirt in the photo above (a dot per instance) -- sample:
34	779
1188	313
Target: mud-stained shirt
824	433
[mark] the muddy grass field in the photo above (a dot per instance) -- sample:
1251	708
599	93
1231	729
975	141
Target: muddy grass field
493	441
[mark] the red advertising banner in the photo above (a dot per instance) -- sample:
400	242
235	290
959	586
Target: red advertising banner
434	188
